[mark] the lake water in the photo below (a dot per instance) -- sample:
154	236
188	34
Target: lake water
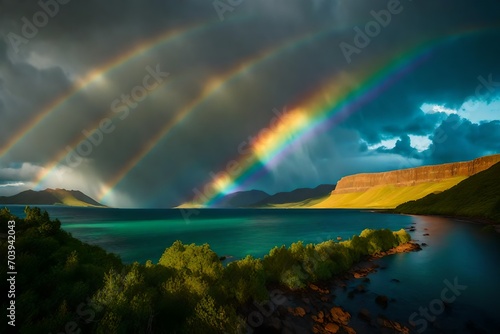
142	234
458	252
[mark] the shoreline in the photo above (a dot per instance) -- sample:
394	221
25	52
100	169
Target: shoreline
474	220
313	308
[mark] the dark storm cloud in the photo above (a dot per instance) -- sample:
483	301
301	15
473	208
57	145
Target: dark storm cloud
458	139
486	135
449	77
422	124
23	90
82	36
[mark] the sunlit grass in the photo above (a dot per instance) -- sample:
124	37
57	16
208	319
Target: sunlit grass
66	198
386	196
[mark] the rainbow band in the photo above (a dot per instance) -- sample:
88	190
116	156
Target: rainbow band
323	113
138	50
91	77
209	90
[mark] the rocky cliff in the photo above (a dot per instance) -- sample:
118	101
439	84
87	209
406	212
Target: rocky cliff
414	176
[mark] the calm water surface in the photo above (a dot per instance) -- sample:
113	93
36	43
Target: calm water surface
142	234
457	251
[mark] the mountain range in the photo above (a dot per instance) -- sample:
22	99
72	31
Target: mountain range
300	197
257	198
470	188
385	190
51	197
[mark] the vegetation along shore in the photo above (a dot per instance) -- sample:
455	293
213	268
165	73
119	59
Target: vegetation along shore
189	290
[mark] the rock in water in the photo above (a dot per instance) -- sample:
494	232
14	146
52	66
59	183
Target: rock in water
382	300
332	328
339	315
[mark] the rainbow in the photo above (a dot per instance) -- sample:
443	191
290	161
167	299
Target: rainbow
142	48
209	90
328	106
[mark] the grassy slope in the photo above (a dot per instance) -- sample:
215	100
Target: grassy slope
67	198
387	196
477	196
302	204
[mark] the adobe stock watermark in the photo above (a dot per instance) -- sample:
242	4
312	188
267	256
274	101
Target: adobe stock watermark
86	312
223	6
436	306
486	87
122	106
372	29
234	167
30	27
264	310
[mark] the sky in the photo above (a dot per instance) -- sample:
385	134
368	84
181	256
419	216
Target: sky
156	103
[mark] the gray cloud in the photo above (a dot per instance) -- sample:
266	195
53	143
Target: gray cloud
83	36
458	139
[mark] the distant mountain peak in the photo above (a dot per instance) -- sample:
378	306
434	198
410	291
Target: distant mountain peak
51	196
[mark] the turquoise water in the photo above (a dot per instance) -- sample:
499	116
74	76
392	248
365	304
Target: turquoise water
139	235
456	250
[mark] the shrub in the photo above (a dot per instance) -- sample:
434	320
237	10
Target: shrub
211	318
245	280
277	262
402	236
198	261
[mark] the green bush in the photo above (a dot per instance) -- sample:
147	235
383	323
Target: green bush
245	280
211	318
198	261
297	265
277	262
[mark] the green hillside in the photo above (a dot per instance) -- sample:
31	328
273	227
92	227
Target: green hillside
386	196
477	196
